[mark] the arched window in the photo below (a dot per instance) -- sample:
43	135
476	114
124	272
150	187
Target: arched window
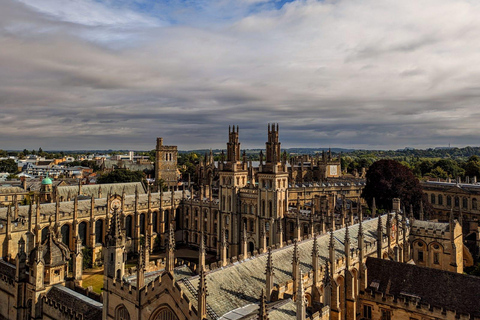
154	221
128	226
449	201
82	232
457	202
474	204
65	230
465	203
99	231
432	198
440	199
270	208
122	313
142	223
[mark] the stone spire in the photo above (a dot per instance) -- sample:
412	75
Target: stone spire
201	252
244	241
359	205
170	256
300	302
327	285
295	265
223	249
331	252
77	260
346	244
202	296
263	236
269	275
379	237
422	217
315	266
298	235
388	230
280	233
374	208
141	268
262	310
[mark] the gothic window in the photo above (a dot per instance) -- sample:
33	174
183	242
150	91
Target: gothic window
82	232
465	203
367	312
474	204
440	199
420	256
449	201
436	258
128	226
267	226
226	234
432	198
65	230
270	208
386	314
154	221
263	207
122	313
252	225
142	223
98	231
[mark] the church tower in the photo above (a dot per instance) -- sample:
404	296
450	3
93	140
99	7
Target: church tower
273	183
232	176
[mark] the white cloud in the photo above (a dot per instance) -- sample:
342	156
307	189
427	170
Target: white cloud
340	73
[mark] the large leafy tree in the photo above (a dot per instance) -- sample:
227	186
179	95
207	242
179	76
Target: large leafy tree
121	175
8	165
389	179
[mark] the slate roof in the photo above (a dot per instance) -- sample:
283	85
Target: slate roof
92	189
5	190
439	288
89	308
84	205
441	226
240	284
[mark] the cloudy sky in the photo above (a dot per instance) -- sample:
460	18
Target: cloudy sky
101	74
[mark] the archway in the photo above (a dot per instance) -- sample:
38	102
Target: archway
164	313
251	247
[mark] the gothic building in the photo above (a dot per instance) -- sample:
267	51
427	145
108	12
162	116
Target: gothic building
306	256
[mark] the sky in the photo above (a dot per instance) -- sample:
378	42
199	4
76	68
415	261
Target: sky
116	74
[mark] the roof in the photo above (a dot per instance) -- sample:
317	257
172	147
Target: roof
439	288
84	205
93	189
441	226
240	284
89	308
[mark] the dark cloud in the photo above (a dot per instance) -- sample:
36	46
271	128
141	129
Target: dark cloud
86	75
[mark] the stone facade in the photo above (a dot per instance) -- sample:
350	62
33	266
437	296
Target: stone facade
166	164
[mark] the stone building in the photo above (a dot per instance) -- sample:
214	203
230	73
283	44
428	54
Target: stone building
462	200
419	293
278	256
166	164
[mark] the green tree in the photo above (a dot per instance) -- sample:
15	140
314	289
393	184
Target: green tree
8	165
388	179
472	167
121	175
